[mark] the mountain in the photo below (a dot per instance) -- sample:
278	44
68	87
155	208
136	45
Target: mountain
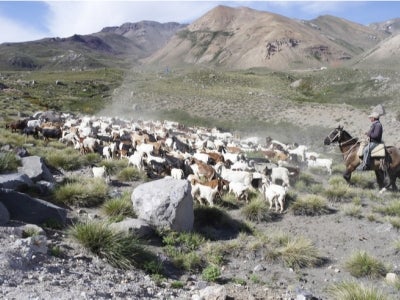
230	38
241	38
391	26
113	46
385	55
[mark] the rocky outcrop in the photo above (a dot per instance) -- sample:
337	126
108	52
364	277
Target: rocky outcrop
27	209
165	204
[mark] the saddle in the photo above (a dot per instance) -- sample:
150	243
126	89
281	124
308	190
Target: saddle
378	151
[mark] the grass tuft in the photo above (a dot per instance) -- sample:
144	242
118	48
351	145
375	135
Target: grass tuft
256	211
311	205
355	291
88	192
119	207
361	264
119	249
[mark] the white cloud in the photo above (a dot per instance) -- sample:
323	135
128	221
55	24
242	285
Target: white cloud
67	18
12	31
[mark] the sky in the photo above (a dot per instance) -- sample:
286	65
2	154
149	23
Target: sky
22	21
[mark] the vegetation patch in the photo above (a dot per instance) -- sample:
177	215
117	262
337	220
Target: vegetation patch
350	290
311	205
361	264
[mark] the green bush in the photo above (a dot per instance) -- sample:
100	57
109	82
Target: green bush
211	273
130	174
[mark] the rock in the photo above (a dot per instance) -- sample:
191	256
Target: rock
35	168
31	210
391	278
4	214
165	204
15	181
138	227
214	292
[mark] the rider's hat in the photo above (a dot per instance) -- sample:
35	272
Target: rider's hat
374	115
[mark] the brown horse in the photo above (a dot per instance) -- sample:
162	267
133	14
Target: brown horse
387	168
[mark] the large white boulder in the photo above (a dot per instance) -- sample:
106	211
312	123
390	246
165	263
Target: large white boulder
165	204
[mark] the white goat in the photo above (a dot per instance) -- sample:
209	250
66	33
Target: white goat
300	151
136	159
321	163
274	194
177	173
200	191
282	174
240	190
101	172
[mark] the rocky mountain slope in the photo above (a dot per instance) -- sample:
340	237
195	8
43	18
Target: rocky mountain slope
233	38
112	47
241	38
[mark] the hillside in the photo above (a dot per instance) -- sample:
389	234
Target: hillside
112	47
242	38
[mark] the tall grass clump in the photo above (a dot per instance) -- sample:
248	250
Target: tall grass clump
86	192
361	264
256	211
391	209
338	193
130	174
68	159
354	291
119	207
352	210
119	249
311	205
295	252
8	162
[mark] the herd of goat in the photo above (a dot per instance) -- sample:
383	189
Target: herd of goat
213	161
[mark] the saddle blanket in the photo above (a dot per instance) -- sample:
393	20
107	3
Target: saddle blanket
378	151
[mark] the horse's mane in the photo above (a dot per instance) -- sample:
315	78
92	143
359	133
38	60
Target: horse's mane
349	135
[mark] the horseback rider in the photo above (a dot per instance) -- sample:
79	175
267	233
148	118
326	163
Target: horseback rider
374	135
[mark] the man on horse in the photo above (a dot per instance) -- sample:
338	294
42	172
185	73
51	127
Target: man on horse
374	135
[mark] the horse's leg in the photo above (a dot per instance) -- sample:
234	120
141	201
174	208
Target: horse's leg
379	179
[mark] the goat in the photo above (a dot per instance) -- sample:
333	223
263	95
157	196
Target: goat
321	162
274	194
136	159
201	191
240	190
100	172
177	173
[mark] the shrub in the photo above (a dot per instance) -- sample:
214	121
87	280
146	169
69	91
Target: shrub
211	273
67	159
354	291
181	247
84	193
310	206
362	264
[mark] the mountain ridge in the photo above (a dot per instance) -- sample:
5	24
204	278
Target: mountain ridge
224	37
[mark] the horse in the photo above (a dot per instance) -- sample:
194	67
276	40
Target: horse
386	168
